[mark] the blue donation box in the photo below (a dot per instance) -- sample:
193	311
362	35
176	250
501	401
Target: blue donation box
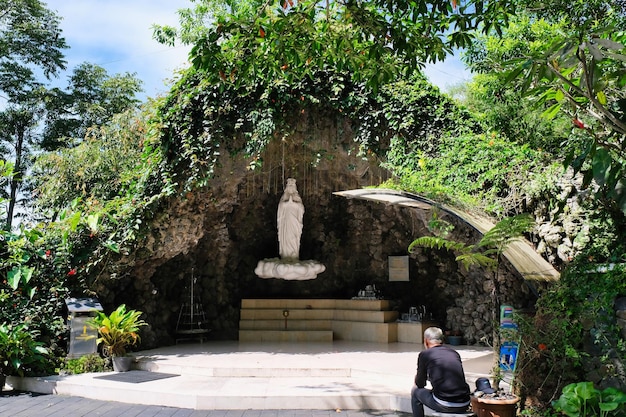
82	336
508	356
509	348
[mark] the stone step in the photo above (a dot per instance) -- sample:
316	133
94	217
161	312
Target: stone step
279	320
365	332
340	330
366	316
280	325
319	314
294	314
288	371
204	393
308	304
285	336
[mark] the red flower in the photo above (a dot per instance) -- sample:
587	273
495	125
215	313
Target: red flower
48	253
542	347
579	124
72	272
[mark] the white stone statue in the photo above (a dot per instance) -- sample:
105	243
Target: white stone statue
289	219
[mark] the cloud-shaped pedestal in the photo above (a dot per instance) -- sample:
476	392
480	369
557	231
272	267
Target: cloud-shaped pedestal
288	269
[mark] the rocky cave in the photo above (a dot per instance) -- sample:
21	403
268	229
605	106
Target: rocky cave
217	235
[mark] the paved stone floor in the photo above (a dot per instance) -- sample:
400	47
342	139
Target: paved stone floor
233	379
26	404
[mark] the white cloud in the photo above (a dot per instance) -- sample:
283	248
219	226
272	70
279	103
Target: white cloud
117	35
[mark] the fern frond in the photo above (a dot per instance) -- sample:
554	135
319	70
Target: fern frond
506	231
476	258
434	242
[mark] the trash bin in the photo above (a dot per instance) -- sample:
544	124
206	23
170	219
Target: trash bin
82	336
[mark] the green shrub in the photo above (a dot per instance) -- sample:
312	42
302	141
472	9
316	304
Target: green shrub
85	364
20	353
473	170
574	328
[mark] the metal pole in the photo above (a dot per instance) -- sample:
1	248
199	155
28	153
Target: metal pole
193	279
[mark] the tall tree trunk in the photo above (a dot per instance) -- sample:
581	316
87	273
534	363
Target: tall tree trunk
16	180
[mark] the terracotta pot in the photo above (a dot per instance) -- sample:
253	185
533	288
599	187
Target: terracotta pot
492	407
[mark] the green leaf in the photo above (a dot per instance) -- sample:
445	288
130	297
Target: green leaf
74	221
112	246
559	96
608	43
601	164
595	52
13	277
92	222
551	111
608	406
514	74
27	273
585	390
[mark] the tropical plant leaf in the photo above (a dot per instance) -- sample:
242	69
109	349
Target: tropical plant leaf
118	330
435	242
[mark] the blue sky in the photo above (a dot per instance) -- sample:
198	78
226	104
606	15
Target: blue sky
447	74
117	35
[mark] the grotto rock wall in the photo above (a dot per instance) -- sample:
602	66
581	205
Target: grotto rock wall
217	235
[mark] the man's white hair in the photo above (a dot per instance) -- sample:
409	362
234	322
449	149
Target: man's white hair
434	334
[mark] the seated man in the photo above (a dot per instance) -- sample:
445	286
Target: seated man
442	366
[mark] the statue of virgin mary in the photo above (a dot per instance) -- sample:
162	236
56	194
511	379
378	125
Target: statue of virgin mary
289	219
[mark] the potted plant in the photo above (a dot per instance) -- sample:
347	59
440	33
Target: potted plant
117	332
454	337
487	253
19	352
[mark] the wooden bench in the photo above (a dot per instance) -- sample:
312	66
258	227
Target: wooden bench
431	413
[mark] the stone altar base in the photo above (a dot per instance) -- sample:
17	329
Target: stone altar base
323	320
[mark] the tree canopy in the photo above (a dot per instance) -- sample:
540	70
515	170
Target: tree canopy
92	98
285	40
30	41
32	117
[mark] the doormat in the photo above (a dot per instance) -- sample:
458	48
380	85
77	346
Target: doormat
135	377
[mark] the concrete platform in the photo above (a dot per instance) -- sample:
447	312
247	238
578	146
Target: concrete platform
273	376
